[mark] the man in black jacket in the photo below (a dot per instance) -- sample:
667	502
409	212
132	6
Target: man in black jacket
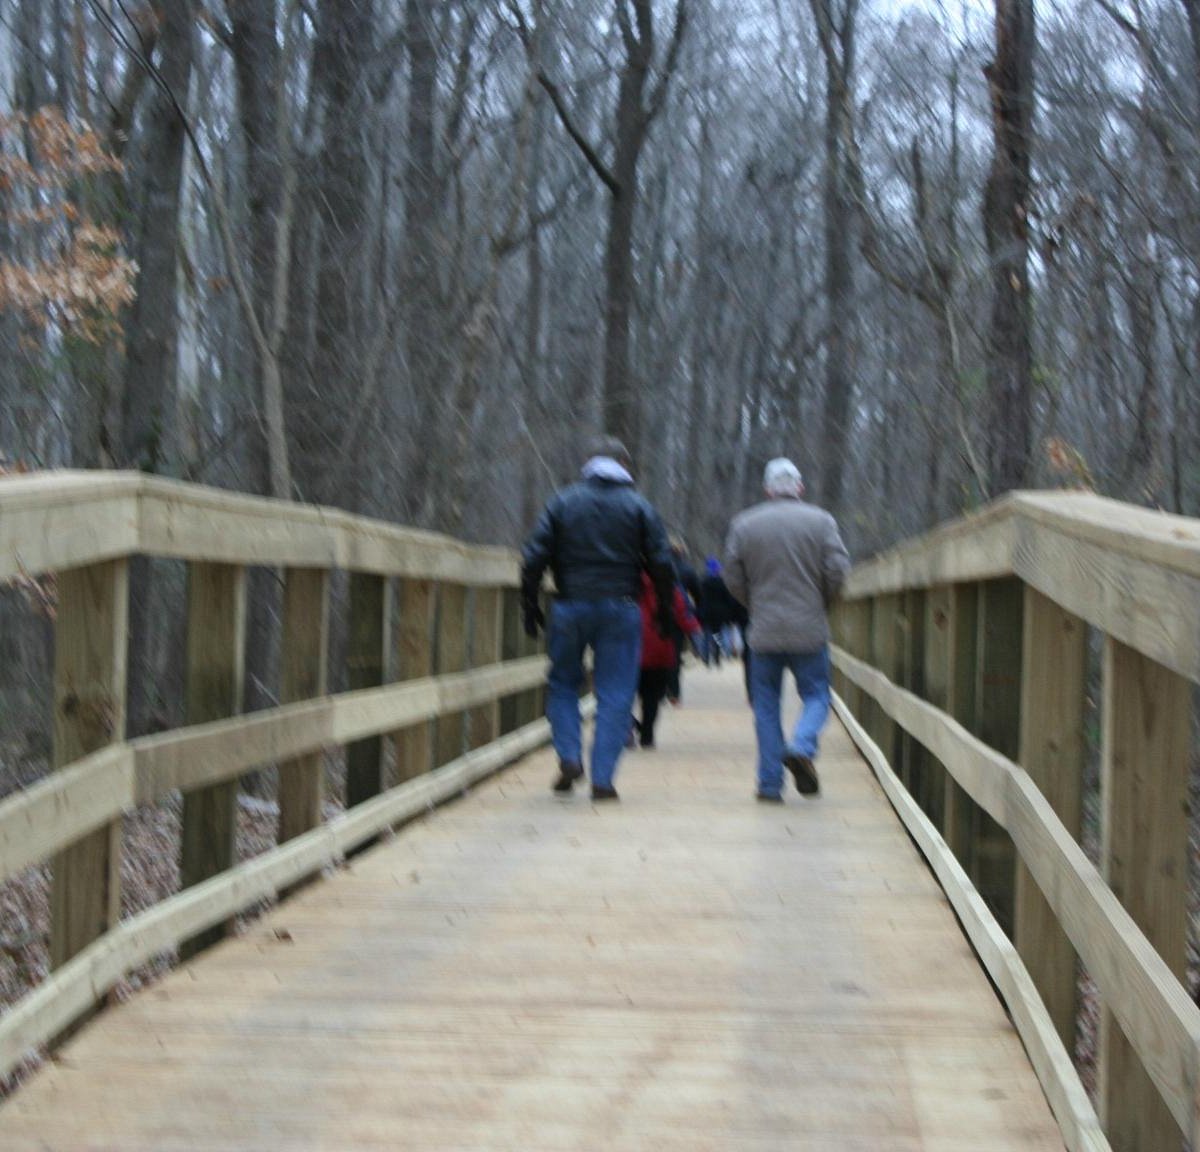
596	537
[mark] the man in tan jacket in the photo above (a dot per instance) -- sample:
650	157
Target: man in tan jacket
785	560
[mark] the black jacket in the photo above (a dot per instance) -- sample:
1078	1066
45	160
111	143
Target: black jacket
597	537
717	606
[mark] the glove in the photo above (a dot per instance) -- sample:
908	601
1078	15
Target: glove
532	618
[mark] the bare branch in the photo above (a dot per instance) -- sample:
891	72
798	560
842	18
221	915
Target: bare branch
631	44
645	23
589	153
659	94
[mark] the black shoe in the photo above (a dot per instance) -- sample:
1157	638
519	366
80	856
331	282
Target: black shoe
604	793
768	797
646	743
803	772
568	773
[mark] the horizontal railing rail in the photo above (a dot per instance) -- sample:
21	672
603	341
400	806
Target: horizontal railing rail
55	520
436	665
58	810
965	656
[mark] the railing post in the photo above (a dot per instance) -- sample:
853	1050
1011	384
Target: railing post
303	677
961	656
858	644
216	647
540	647
927	780
998	724
529	702
368	665
485	650
414	746
510	649
912	677
885	657
935	688
837	633
1053	685
90	668
1144	847
451	657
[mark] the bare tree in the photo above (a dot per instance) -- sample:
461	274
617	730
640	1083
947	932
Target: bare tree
836	29
1006	225
638	104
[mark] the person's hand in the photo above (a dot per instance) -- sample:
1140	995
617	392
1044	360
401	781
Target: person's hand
532	618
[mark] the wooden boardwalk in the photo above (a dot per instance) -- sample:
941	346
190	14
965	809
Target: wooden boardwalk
685	970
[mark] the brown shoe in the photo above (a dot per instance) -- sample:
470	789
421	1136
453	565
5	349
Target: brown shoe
803	772
604	793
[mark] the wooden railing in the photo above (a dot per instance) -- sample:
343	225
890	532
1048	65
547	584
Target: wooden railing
962	663
435	660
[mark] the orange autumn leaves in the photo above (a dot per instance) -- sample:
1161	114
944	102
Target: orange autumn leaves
63	268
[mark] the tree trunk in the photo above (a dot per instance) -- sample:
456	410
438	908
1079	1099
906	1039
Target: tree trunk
421	221
836	31
149	397
840	304
1141	471
256	69
636	111
344	44
1005	220
148	402
699	431
621	408
532	374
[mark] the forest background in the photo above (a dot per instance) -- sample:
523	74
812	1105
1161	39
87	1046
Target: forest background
407	257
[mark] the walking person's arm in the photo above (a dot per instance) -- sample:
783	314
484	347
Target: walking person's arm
536	556
835	563
735	567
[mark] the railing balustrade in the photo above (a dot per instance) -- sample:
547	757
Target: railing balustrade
436	663
963	657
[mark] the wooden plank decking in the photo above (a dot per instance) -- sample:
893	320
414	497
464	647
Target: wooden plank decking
685	970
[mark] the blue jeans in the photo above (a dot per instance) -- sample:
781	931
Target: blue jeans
811	672
613	630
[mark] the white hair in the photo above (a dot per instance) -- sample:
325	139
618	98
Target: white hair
782	478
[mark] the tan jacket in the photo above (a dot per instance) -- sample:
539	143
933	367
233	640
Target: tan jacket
786	562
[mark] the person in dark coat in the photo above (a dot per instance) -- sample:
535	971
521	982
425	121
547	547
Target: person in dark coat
597	537
686	578
658	654
717	610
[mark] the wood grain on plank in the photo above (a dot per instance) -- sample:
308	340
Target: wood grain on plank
686	969
1153	1008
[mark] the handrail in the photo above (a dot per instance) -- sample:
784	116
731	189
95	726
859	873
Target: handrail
1153	1008
1130	572
964	653
1065	1093
436	614
57	520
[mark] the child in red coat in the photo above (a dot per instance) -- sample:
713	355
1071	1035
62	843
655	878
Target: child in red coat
658	655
